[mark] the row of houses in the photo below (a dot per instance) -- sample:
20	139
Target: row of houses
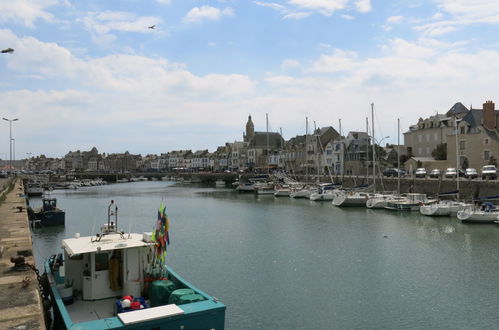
474	132
323	151
459	138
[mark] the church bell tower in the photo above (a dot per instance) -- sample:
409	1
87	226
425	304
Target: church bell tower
250	130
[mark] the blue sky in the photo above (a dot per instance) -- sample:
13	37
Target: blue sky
91	73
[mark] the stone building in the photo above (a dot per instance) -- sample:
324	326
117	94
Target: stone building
477	139
423	137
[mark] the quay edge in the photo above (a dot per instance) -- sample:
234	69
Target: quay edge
20	300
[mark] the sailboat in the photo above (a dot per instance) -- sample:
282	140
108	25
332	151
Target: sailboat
446	207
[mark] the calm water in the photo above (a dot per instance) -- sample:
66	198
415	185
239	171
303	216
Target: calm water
296	264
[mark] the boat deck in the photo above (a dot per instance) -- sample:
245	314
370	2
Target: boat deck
83	311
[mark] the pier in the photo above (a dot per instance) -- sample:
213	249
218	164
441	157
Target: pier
20	300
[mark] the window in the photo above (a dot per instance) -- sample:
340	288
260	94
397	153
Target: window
101	261
462	130
420	138
435	136
427	137
486	141
486	154
462	145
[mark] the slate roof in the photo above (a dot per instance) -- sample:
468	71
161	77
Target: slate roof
456	109
260	140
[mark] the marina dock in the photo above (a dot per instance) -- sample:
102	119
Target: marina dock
20	302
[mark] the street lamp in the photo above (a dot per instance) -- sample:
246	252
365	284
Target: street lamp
14	150
10	139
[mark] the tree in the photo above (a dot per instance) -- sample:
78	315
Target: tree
440	152
492	161
466	164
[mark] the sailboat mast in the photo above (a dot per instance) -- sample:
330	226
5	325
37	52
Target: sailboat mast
306	147
367	149
398	155
374	147
268	149
316	151
457	157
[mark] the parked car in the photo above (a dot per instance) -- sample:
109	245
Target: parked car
451	172
489	172
390	171
420	172
435	173
471	173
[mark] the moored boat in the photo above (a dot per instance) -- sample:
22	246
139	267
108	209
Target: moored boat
34	189
325	192
443	208
351	198
409	202
487	212
49	214
86	279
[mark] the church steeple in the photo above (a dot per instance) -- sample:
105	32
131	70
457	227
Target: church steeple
250	130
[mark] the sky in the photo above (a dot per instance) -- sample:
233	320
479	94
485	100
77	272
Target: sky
92	73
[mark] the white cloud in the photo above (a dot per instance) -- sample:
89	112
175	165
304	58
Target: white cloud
348	17
105	22
199	14
164	2
394	19
325	7
290	64
26	12
363	6
272	5
297	16
462	13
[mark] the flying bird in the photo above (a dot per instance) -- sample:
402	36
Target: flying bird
8	50
152	26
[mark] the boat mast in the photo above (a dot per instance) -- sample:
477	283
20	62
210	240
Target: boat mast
268	149
374	147
457	158
367	150
398	156
317	168
306	147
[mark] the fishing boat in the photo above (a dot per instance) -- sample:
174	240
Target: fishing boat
34	189
47	215
92	271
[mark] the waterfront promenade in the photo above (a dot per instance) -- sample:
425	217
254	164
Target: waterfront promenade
20	302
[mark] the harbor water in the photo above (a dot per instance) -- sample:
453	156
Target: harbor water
279	263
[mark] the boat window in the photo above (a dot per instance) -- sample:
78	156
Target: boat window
76	257
101	261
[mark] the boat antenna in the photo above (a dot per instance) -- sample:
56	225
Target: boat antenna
112	226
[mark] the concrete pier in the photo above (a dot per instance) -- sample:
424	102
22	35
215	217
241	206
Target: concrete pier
20	301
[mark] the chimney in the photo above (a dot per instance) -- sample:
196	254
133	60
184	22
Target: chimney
489	115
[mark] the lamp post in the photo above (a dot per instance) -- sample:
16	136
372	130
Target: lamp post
10	139
14	150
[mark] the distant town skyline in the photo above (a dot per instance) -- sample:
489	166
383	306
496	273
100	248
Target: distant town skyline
93	73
